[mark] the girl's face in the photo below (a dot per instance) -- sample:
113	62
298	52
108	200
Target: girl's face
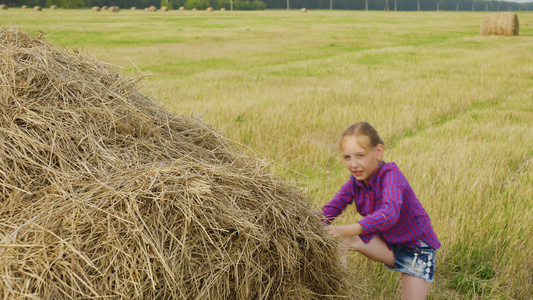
362	162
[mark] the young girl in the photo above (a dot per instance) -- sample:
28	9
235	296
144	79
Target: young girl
396	229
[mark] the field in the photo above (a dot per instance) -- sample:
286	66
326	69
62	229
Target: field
455	110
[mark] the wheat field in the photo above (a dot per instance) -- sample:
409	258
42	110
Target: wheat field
454	108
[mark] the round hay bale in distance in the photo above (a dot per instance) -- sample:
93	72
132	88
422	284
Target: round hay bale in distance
304	10
96	8
185	216
210	9
152	8
105	7
3	6
37	8
24	7
164	8
182	8
114	9
133	8
194	8
501	23
53	7
222	9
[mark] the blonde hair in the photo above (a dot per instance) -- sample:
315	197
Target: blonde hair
363	129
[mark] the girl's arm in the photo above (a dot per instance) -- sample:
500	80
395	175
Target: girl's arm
346	231
338	203
388	213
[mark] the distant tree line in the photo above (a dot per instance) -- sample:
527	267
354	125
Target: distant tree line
403	5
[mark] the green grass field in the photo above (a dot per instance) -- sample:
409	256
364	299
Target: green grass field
455	110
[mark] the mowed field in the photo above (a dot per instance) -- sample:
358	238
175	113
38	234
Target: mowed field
455	110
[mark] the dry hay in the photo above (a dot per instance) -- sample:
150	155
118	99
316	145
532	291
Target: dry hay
194	8
105	7
503	23
133	8
210	9
182	8
105	194
164	8
24	6
151	8
96	8
37	8
304	10
222	9
114	9
3	6
53	7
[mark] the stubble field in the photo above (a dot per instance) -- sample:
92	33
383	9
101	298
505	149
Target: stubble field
455	110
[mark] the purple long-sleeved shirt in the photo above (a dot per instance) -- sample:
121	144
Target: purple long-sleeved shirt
389	206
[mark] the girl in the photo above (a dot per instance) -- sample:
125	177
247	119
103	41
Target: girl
396	229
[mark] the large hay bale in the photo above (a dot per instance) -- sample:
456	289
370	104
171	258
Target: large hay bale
133	8
3	6
304	10
210	9
114	9
164	8
24	6
182	8
105	194
222	9
37	8
96	8
53	7
502	23
152	8
105	7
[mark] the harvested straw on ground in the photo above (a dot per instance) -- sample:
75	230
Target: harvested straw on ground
222	9
24	6
3	6
105	7
164	8
105	194
133	8
502	23
53	7
96	8
152	8
210	9
182	8
114	9
304	10
37	8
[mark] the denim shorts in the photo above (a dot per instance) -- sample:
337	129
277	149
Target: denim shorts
419	261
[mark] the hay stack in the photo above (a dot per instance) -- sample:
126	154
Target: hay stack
194	8
53	7
182	8
104	194
503	23
104	8
210	9
37	8
222	9
164	8
133	8
3	6
24	6
114	9
151	8
96	8
304	10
